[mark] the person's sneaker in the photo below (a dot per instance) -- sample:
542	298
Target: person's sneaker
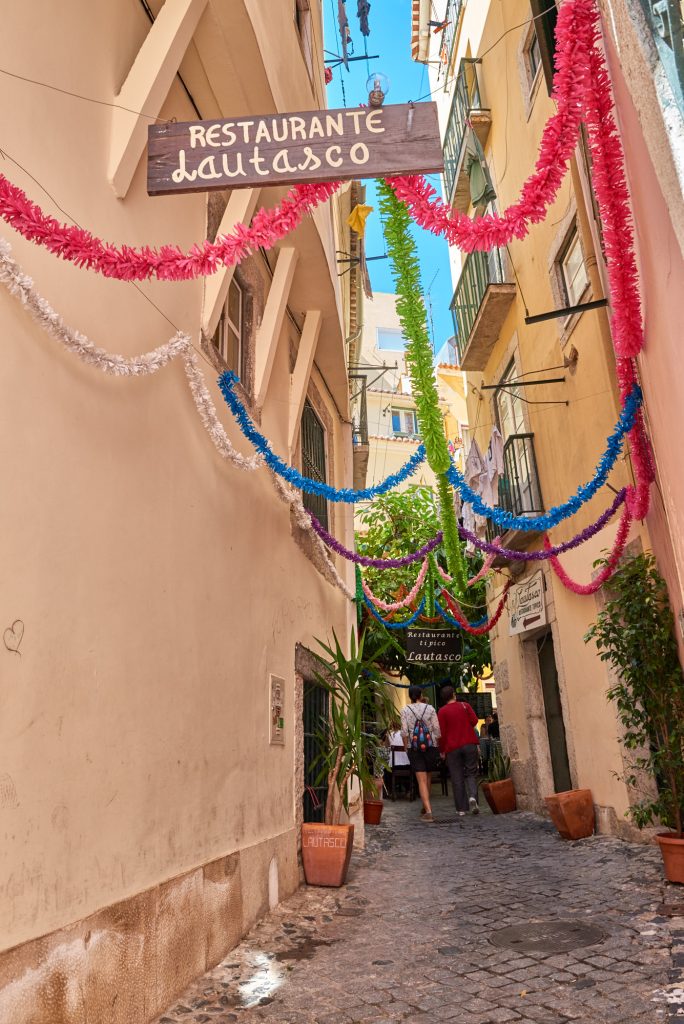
427	817
461	814
474	807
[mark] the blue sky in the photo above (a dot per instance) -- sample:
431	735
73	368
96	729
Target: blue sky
390	25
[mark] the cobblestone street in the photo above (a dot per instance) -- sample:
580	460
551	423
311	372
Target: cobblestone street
414	935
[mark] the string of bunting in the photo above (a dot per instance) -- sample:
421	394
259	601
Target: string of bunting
394	625
226	383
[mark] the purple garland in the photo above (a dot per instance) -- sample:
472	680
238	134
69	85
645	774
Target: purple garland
490	549
374	563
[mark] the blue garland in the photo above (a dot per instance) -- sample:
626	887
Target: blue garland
394	625
587	491
448	617
292	475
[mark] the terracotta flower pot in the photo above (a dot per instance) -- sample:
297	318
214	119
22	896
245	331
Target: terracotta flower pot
372	811
326	852
572	813
672	848
500	796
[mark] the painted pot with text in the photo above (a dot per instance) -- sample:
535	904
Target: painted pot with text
326	853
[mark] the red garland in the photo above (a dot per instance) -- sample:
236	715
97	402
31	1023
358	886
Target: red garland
169	263
610	566
455	610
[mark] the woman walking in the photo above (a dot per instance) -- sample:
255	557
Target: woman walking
460	746
420	733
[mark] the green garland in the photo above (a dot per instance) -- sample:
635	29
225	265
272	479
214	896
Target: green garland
358	596
419	359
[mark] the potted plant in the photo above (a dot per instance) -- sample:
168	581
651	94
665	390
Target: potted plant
498	788
347	747
634	633
572	813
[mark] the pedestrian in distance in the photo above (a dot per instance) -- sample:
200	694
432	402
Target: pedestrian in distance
460	746
420	733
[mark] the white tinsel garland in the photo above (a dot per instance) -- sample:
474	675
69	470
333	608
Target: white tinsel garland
20	285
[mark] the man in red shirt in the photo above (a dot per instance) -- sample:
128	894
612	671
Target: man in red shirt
460	746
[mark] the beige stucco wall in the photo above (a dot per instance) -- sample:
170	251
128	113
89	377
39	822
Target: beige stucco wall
158	585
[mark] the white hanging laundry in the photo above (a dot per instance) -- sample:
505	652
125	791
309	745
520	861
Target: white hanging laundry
494	468
474	466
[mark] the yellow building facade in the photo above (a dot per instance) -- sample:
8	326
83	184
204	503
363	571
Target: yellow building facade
548	387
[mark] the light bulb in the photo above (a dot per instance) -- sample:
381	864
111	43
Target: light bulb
378	86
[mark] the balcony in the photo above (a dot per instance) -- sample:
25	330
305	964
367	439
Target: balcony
519	490
480	305
449	37
467	116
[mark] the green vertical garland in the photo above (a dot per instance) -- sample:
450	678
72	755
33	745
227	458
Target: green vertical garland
430	581
419	358
358	597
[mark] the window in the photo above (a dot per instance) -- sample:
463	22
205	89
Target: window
389	338
533	55
314	461
404	421
305	30
545	14
228	337
509	405
573	272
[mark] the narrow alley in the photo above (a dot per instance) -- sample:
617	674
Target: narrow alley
487	919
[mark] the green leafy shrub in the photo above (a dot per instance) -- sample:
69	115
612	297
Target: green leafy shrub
634	634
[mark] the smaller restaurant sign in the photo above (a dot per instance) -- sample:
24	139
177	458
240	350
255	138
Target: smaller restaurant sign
283	149
434	645
527	605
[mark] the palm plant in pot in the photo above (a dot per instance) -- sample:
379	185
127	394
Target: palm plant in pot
498	787
348	747
634	633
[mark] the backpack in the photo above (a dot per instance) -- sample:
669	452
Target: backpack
421	737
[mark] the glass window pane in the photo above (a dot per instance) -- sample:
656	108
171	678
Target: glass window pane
235	305
409	422
574	271
396	421
390	339
231	352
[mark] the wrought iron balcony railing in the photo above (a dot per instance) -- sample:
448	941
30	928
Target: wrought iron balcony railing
449	36
519	488
480	270
467	111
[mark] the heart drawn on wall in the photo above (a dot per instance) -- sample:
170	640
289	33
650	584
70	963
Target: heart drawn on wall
13	636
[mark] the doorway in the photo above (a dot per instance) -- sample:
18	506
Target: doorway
316	710
553	710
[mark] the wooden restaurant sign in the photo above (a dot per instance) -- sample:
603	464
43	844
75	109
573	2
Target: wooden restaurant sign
283	149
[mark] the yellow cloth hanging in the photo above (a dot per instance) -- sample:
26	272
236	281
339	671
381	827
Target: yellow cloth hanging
358	217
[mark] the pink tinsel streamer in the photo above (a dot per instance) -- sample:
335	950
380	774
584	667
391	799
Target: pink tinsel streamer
608	569
488	563
169	263
398	605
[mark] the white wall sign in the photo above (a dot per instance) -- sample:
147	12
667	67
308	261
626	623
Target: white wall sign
527	605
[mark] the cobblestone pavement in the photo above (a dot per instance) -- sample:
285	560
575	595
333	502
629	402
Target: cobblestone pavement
410	936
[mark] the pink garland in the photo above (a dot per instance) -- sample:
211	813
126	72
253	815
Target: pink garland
169	263
488	563
398	605
608	569
455	609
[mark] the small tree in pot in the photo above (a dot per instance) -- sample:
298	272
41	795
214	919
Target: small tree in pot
348	749
498	787
634	633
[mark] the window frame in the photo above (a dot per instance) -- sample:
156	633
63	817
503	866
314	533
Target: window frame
402	412
394	331
572	241
226	323
313	502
